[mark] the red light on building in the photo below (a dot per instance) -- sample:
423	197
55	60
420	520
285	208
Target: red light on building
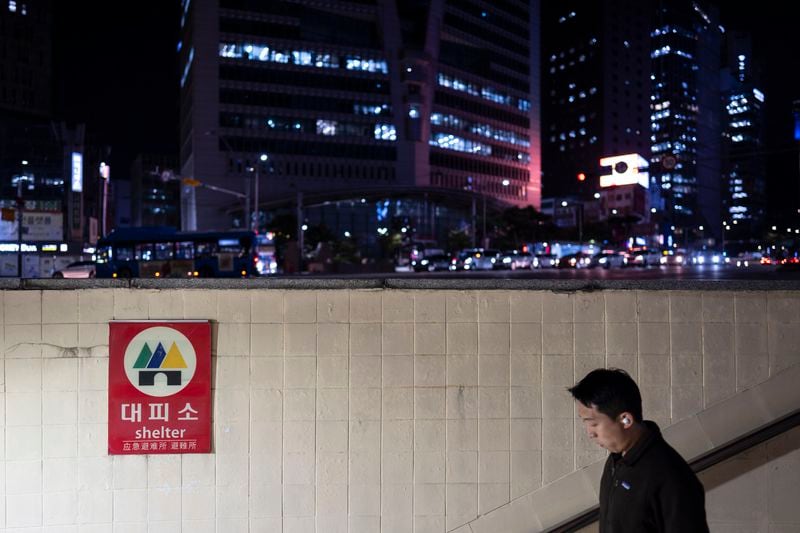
581	176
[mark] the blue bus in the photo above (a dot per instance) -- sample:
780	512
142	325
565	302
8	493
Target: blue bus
165	252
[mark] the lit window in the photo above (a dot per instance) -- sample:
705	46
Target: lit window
459	144
326	127
302	57
385	132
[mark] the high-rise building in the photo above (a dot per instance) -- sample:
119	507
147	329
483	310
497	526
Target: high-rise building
596	89
26	57
359	95
154	200
744	194
686	129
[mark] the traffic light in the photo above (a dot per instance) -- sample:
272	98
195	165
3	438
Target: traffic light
581	176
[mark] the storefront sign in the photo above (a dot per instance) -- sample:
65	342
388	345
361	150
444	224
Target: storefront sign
159	387
36	226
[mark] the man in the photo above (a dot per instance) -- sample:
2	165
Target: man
646	485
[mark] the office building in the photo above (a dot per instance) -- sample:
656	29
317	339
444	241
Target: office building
595	90
744	193
686	125
154	200
349	97
26	74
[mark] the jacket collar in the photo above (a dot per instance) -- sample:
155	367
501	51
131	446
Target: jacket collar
651	434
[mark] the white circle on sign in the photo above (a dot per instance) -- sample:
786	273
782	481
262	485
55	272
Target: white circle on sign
160	361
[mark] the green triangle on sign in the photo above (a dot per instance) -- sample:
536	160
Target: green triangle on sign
144	357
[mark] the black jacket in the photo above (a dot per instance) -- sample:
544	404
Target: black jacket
651	488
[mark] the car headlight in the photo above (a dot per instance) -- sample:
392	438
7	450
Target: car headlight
663	260
423	262
602	261
505	260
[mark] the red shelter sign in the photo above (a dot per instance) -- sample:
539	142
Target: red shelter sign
159	387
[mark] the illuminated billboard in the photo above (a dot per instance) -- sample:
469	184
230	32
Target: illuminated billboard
628	169
77	171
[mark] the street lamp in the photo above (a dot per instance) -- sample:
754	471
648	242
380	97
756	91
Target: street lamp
263	159
105	175
475	218
230	150
725	227
20	205
579	217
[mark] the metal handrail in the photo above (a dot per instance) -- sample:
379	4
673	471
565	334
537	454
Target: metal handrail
707	460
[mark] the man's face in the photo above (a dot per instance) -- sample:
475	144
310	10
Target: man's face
601	429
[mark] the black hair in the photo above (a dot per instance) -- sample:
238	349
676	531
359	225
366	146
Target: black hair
612	391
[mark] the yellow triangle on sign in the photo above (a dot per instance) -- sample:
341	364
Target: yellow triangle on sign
174	358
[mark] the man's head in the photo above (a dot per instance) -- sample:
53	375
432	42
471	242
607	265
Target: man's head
610	406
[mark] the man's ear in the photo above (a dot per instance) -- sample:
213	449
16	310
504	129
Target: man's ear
626	419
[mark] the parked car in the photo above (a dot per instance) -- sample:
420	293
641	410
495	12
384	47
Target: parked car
676	259
514	259
707	257
479	259
435	262
609	259
545	261
78	269
645	258
578	260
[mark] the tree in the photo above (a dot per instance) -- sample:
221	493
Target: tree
283	228
317	234
516	226
458	239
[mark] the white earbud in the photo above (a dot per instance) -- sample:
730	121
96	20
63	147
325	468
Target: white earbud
626	420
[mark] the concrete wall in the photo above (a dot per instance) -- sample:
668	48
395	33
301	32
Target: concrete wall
366	410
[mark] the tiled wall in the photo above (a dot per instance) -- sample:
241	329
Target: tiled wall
358	410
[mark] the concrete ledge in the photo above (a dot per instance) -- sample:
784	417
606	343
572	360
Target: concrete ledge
405	283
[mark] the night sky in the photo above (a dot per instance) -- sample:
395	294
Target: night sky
120	76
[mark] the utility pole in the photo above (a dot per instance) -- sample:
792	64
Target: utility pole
246	196
105	175
20	204
169	175
300	239
474	222
262	159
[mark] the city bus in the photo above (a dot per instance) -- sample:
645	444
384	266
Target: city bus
164	252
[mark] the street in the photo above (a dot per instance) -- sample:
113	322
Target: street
702	272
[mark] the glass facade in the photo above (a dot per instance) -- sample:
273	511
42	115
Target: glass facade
345	94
